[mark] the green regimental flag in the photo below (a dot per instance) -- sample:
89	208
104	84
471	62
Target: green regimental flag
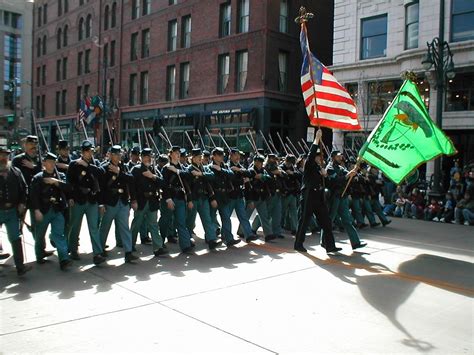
405	137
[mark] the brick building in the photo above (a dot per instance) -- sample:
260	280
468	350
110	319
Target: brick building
229	66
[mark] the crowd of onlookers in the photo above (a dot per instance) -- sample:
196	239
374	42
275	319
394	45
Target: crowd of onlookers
457	206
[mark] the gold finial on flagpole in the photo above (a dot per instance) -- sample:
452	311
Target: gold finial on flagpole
304	16
409	75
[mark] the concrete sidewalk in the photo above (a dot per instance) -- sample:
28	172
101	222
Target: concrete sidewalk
410	291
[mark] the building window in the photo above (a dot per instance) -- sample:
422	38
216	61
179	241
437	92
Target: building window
78	97
135	9
60	7
79	62
64	68
113	17
225	19
223	73
171	83
58	69
38	76
106	18
44	45
146	7
244	16
105	53
134	47
172	35
88	26
172	2
45	14
40	16
145	43
411	25
63	102
112	53
374	37
184	81
59	38
86	90
242	67
38	106
284	16
43	105
82	31
87	66
111	93
460	93
144	87
38	47
186	31
43	75
381	95
58	103
65	35
132	98
462	20
353	90
66	6
283	70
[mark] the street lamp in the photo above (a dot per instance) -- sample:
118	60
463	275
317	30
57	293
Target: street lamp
440	57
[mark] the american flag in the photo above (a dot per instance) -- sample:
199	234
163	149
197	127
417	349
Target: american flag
333	106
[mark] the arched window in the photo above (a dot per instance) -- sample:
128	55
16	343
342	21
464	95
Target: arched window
65	38
113	21
88	26
44	44
59	38
38	47
40	16
106	18
81	29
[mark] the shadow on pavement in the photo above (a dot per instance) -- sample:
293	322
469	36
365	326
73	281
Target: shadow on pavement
386	290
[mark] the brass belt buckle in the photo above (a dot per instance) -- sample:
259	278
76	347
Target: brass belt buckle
120	191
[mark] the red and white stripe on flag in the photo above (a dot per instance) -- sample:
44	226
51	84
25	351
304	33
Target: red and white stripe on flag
335	107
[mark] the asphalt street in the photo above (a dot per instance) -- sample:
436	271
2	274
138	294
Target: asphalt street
410	291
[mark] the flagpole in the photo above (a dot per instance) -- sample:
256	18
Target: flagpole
302	19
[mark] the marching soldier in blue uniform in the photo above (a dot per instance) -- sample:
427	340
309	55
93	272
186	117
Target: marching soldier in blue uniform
64	158
29	165
134	158
339	205
290	192
84	177
48	201
13	194
276	185
313	200
257	196
176	200
203	198
222	185
377	186
145	196
114	204
240	179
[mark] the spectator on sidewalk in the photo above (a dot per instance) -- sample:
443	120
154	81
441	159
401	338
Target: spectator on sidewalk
465	210
447	214
433	211
416	204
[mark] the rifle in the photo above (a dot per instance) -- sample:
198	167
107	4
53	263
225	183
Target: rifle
210	137
202	141
110	134
266	142
189	139
282	144
293	146
59	130
271	142
144	132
